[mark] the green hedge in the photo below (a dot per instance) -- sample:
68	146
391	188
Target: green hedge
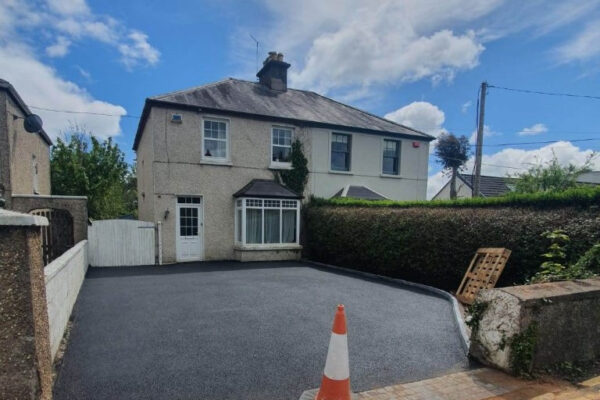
581	196
434	245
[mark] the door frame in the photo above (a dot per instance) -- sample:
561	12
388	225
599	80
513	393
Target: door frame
200	227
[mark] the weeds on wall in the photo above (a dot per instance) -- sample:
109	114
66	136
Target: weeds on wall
296	178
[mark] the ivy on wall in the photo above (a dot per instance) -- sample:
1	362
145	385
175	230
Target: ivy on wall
296	178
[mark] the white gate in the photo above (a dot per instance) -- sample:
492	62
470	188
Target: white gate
121	242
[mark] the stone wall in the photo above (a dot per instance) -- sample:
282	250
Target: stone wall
524	328
76	205
25	361
64	277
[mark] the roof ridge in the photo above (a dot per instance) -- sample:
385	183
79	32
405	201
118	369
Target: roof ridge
205	85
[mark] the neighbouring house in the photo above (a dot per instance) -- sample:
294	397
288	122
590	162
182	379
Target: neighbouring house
493	186
24	156
208	157
25	178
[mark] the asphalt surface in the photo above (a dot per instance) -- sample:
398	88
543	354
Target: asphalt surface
246	331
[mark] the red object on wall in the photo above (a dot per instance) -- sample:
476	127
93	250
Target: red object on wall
416	145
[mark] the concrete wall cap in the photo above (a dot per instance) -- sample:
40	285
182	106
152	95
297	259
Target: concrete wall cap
53	196
553	289
12	218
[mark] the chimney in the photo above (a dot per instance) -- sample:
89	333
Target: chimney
273	74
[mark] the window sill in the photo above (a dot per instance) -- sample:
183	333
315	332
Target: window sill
390	176
276	165
225	163
267	247
331	171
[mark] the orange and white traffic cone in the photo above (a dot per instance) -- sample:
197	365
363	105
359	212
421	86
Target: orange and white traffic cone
336	377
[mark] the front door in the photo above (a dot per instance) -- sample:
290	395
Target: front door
189	228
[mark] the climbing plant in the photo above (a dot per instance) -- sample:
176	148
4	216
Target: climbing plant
296	177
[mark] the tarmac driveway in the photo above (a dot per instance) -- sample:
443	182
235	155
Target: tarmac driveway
246	331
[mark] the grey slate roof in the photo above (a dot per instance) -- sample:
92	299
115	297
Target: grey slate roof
252	98
12	92
266	188
360	192
489	186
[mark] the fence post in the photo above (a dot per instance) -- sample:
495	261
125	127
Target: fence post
159	230
25	359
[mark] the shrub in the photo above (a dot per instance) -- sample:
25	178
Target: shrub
434	245
590	260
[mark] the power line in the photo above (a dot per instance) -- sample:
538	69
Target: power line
85	112
540	142
583	96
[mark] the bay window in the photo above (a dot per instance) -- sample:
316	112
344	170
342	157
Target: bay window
267	222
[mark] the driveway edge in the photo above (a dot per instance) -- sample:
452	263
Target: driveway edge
460	323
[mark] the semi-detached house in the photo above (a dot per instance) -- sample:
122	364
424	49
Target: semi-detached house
207	157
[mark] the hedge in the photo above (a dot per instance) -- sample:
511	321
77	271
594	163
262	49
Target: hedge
434	245
583	196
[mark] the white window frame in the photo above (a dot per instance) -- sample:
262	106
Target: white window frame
278	164
241	203
227	157
351	136
399	143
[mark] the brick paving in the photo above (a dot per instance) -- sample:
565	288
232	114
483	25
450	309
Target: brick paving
484	384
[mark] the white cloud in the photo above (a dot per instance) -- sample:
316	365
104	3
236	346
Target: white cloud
138	50
465	107
512	161
420	115
69	7
582	47
39	85
534	130
60	48
487	132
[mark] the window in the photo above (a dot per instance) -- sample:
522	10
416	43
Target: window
281	145
267	221
215	139
391	157
341	146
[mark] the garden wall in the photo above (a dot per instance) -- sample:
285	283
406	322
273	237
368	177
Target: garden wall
524	328
434	244
64	277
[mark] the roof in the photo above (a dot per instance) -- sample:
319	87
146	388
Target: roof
6	86
489	186
359	192
252	99
266	188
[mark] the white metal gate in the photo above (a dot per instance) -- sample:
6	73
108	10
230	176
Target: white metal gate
121	242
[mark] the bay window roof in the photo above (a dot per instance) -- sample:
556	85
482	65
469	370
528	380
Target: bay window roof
265	188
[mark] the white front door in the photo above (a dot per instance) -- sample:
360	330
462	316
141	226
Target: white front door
190	222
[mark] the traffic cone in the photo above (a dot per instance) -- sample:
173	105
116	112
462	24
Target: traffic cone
335	384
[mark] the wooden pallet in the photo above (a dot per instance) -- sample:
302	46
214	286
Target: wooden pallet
483	272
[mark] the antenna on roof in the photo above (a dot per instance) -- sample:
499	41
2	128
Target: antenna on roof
253	38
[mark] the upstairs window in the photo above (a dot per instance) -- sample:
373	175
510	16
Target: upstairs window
341	148
281	145
391	157
215	141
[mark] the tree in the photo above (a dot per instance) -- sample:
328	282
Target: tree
296	177
551	177
452	152
82	165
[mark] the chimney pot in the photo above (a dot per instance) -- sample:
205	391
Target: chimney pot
279	56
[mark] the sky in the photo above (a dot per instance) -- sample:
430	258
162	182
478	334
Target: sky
417	62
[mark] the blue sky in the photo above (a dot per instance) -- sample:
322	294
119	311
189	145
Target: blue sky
418	62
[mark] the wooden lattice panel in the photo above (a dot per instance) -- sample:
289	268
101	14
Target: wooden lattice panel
483	272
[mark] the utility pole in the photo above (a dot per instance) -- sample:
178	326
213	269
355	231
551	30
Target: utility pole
478	146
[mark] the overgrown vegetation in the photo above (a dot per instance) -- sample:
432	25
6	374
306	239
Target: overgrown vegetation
555	267
522	349
296	177
434	244
550	177
82	165
475	313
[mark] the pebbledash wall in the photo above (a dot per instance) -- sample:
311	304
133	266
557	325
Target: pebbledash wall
170	164
64	277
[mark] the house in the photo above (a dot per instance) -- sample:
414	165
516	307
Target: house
208	157
493	186
24	156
